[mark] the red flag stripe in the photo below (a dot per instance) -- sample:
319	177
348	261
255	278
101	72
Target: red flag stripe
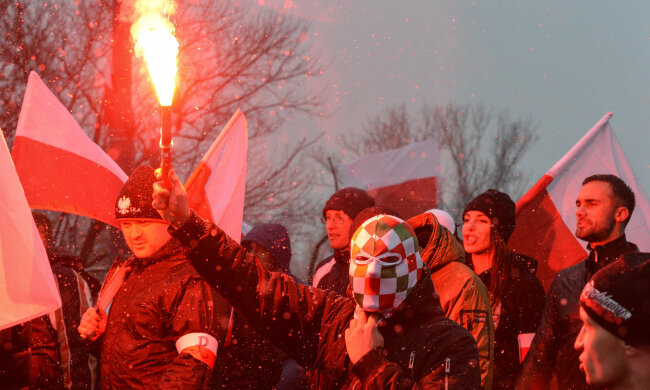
64	181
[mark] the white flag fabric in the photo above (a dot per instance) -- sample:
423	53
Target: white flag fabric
546	214
59	166
404	179
27	286
217	186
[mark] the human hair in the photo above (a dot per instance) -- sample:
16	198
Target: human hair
622	192
501	269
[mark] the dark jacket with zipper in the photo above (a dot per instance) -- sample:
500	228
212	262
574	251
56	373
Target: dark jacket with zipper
551	351
162	299
332	273
422	348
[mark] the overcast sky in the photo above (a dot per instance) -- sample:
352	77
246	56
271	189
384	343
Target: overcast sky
562	64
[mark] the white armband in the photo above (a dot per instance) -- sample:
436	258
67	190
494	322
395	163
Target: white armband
201	346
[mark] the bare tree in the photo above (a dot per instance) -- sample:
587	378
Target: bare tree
231	56
479	148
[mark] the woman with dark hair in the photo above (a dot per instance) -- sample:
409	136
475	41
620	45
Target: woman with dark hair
516	296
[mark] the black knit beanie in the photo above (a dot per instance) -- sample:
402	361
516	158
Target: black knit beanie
275	239
350	200
498	207
134	200
618	298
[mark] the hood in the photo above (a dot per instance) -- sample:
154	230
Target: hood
438	246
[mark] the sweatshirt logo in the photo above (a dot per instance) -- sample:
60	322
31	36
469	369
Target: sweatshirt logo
124	206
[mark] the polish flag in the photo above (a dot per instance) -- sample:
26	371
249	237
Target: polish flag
216	189
403	179
546	219
27	286
59	166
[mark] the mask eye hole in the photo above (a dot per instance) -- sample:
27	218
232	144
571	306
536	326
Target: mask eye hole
362	259
391	259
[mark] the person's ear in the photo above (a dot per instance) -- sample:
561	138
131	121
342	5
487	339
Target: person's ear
621	214
630	350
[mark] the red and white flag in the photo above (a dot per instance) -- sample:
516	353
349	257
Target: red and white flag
27	286
404	179
59	166
217	186
546	214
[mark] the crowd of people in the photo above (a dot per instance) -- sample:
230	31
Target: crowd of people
402	302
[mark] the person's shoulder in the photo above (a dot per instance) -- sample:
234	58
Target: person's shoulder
323	262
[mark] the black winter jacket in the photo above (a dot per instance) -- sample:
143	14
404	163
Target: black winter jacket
162	299
551	351
333	272
29	357
521	307
75	285
422	347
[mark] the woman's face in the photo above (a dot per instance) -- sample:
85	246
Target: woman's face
476	232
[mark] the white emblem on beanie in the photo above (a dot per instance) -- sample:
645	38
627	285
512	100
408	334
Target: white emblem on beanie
124	206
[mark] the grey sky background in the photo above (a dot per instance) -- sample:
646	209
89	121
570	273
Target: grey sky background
562	64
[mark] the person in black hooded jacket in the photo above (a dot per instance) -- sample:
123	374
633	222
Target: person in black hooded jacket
400	340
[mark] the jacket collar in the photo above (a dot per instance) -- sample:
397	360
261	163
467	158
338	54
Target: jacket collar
342	256
422	303
172	248
605	254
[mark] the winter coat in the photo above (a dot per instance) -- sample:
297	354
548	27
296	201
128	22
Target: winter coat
162	299
333	272
551	351
249	361
29	357
76	297
463	296
422	347
520	309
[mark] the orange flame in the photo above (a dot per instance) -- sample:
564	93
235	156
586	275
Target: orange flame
155	42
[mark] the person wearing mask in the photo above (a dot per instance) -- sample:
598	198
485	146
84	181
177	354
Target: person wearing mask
338	213
516	296
161	329
614	342
604	207
390	332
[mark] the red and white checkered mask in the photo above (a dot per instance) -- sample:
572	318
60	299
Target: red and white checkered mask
385	264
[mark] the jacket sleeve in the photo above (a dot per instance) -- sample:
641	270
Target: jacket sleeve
376	372
284	311
472	311
537	370
193	311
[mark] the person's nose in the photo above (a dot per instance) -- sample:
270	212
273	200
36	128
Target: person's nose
577	345
374	269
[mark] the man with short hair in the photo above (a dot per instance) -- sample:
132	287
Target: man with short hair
614	342
604	207
160	331
338	213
